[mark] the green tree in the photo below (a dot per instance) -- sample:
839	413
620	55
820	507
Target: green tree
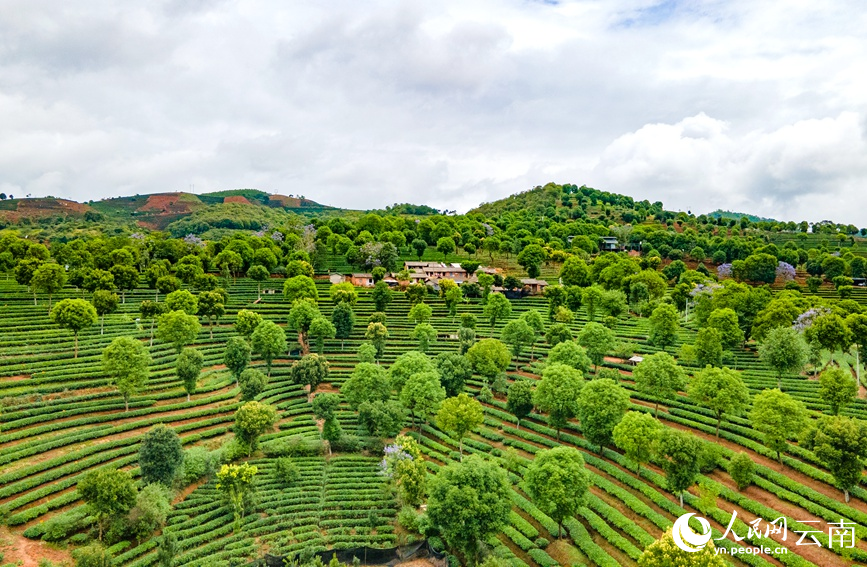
454	370
125	278
575	272
160	455
368	382
126	361
558	483
151	310
212	306
469	502
837	388
382	419
658	375
178	328
598	340
420	313
377	334
531	259
236	357
537	324
679	454
252	420
636	436
343	293
92	555
100	279
166	285
48	279
519	400
857	324
663	325
301	317
777	416
246	322
236	483
466	339
252	383
321	329
324	406
489	357
721	390
708	347
458	416
830	331
105	303
593	299
419	246
601	405
300	287
407	364
366	352
182	300
452	298
664	553
841	444
382	296
24	270
109	493
75	315
446	246
311	370
425	334
785	351
558	333
571	354
742	469
486	282
557	394
725	320
268	340
188	368
497	308
259	274
518	334
343	319
422	395
407	469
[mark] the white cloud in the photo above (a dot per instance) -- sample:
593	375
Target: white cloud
777	173
737	104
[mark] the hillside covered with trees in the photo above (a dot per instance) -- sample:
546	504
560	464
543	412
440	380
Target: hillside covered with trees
204	380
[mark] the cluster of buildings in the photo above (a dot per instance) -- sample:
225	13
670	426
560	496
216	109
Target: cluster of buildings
430	273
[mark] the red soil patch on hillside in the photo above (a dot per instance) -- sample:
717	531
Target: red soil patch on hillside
170	203
289	202
45	207
237	199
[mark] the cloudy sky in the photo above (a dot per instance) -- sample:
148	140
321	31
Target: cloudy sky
753	106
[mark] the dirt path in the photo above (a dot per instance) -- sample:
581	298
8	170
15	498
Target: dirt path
18	550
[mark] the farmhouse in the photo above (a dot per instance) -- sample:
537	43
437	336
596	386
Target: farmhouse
361	280
609	244
534	286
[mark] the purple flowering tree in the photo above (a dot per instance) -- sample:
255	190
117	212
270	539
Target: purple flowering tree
805	319
785	271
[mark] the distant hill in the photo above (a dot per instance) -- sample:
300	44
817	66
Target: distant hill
719	213
569	201
159	210
42	208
